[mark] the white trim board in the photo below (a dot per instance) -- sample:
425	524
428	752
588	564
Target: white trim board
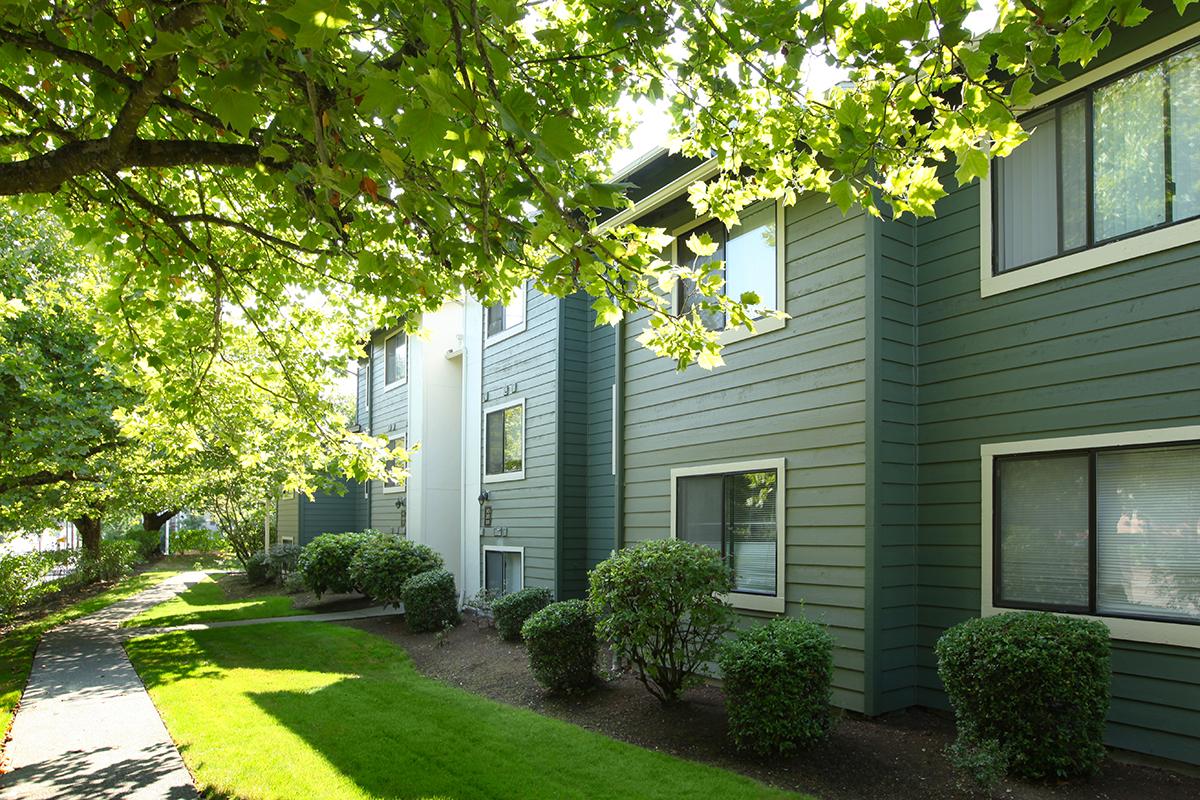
777	603
1133	630
661	196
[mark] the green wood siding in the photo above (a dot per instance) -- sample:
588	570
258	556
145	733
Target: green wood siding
1111	349
526	365
799	393
389	418
585	507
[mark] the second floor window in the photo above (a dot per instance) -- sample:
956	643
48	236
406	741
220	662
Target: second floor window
1120	158
749	255
506	318
395	356
390	485
504	442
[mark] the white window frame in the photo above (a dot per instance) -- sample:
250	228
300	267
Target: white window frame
1134	246
506	476
508	333
400	381
402	486
501	548
777	603
761	326
1133	630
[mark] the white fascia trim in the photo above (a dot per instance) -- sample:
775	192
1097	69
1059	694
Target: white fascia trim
768	324
661	196
508	333
1132	630
776	604
1102	255
505	476
637	163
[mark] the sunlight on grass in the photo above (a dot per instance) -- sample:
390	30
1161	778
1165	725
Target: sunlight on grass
297	711
207	602
18	645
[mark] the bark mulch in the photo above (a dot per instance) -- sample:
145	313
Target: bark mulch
894	757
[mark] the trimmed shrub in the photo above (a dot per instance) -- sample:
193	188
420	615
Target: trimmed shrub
258	568
511	610
149	543
1035	683
282	560
325	561
384	563
430	601
562	645
657	604
778	681
22	580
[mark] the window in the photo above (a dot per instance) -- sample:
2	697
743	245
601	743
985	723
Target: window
1107	531
1119	158
502	320
736	509
751	260
395	355
395	486
504	442
502	570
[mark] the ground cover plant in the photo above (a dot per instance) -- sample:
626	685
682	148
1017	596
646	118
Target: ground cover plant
208	601
18	644
331	711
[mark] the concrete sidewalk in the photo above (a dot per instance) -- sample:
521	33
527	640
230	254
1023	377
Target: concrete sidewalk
86	727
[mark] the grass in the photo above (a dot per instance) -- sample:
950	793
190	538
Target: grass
207	601
292	711
18	645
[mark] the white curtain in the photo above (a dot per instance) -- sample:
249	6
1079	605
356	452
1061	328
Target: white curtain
1028	197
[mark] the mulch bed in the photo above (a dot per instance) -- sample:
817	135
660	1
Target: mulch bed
894	757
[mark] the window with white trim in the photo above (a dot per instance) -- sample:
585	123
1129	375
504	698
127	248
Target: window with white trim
504	319
749	256
395	359
738	510
504	442
1117	159
390	486
503	571
1109	532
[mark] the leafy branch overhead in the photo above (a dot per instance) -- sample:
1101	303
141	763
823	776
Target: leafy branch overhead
238	154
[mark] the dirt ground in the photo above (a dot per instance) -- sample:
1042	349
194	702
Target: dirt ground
894	757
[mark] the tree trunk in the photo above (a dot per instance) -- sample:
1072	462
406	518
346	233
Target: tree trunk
154	520
89	532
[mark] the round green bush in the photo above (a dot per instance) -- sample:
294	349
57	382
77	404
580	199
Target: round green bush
658	604
116	558
562	646
325	561
430	601
1036	683
778	680
198	540
258	568
282	561
383	564
513	609
22	580
149	543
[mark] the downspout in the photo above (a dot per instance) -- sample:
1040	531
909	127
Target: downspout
618	437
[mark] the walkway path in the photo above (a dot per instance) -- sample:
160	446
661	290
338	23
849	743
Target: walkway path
87	729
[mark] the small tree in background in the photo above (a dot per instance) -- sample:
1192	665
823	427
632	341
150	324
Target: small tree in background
658	606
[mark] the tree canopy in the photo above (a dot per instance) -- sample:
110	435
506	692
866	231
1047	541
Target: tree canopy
242	153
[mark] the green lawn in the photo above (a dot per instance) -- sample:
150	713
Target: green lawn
17	646
207	602
305	711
